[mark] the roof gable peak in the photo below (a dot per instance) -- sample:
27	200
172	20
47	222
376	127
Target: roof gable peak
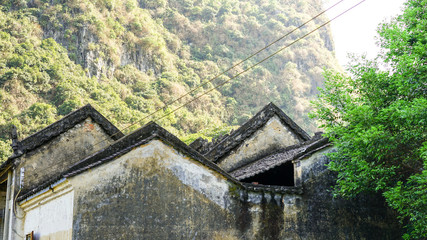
260	119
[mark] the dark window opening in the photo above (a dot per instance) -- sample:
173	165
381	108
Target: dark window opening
282	175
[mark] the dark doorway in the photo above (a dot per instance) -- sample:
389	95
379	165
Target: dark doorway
282	175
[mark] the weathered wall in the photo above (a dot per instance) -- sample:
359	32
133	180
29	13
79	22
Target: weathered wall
157	193
272	137
152	192
50	214
61	152
317	215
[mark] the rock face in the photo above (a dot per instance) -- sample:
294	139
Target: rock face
87	49
149	184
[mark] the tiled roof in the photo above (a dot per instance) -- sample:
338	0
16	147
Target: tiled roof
142	136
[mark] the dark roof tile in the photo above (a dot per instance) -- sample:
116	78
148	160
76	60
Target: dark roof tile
126	144
67	123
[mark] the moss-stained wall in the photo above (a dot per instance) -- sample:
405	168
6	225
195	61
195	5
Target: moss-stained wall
321	216
61	152
155	192
273	136
152	192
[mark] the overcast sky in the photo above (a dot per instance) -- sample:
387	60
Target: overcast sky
355	31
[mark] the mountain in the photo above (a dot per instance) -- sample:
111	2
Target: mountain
129	58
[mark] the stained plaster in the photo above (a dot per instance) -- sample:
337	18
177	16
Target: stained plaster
160	188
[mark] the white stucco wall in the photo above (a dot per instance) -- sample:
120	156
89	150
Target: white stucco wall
50	215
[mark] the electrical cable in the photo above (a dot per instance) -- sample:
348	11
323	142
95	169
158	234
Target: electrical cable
14	206
228	69
244	71
263	60
226	81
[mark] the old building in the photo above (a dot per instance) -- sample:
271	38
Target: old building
80	178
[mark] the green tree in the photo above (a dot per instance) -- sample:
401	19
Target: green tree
377	119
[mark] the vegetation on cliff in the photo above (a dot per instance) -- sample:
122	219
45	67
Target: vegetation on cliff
377	119
127	58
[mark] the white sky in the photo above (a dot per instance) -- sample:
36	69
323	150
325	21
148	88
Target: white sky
355	31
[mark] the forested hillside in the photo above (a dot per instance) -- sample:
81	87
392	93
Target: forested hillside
128	58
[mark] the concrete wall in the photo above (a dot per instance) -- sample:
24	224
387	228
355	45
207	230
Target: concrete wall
60	153
272	137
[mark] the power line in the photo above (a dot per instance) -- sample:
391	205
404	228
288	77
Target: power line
227	70
263	60
244	71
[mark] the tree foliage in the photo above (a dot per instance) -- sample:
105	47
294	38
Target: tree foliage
377	119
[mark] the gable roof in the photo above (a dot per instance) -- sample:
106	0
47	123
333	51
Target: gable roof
139	137
236	138
294	152
124	145
69	121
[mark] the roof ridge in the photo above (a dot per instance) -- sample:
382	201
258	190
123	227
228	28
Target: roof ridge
64	124
251	126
